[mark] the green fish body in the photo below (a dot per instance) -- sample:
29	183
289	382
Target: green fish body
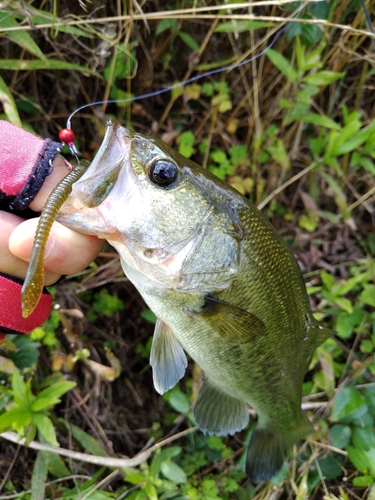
224	287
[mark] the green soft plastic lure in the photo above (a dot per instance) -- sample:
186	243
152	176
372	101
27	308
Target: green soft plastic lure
33	284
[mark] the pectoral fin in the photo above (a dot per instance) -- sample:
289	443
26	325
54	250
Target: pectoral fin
219	413
232	323
167	358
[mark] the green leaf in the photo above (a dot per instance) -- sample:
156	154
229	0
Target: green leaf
178	400
363	481
340	435
186	141
21	37
367	296
347	401
51	396
151	492
322	77
17	418
45	428
21	391
27	353
134	476
148	315
56	465
358	458
39	476
189	40
173	472
87	442
166	24
321	120
282	64
311	34
363	438
241	26
9	106
36	64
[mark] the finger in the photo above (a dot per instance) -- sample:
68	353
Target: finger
67	252
59	171
9	263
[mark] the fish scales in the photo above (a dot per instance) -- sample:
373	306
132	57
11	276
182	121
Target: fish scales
224	287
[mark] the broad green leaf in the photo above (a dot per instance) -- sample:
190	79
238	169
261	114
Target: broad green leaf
363	481
178	400
363	438
322	77
346	322
340	435
321	120
35	64
173	472
241	26
21	390
367	296
21	37
151	492
185	143
39	476
171	452
56	465
27	353
352	140
87	442
134	476
311	34
358	458
17	418
51	395
347	401
9	106
282	64
45	428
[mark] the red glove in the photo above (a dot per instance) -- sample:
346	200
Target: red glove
25	162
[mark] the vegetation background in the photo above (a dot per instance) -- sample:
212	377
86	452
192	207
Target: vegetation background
294	130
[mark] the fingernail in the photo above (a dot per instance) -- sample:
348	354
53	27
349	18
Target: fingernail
49	246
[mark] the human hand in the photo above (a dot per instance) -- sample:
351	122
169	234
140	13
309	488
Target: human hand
67	252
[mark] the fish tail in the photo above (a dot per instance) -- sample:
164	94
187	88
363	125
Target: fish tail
269	448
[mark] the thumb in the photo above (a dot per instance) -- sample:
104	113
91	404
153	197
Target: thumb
67	252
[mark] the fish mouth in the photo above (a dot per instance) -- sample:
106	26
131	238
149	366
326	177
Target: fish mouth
81	210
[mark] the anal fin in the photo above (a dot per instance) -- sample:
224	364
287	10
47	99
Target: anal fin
167	358
219	413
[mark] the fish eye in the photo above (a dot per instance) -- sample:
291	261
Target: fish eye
163	173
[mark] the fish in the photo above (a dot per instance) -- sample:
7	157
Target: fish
224	286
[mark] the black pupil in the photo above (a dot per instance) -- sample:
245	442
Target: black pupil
163	172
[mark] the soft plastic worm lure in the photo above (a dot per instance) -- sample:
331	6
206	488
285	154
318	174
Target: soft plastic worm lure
33	284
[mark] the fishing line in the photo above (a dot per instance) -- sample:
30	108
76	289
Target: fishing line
179	84
67	135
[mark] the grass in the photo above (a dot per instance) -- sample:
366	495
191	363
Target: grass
293	130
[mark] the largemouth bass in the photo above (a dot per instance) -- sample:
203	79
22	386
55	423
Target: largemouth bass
224	287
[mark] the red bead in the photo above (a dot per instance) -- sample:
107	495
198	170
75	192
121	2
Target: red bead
67	135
